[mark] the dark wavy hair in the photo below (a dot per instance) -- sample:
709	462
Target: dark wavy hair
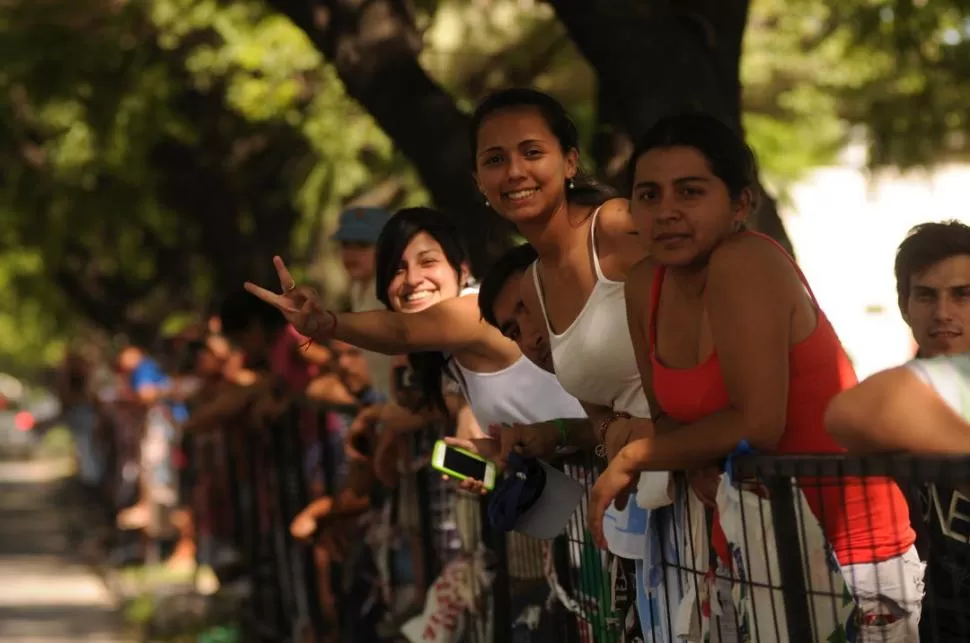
513	262
586	190
428	366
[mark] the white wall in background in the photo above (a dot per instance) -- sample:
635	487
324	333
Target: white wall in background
845	229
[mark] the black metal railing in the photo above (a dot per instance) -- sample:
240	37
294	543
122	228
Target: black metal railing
764	576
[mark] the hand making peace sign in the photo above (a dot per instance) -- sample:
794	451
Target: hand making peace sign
300	305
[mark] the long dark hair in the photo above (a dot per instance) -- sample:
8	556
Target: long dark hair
585	189
428	366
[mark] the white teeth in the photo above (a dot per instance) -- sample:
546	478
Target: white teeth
522	194
417	296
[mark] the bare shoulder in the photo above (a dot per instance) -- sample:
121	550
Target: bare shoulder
618	239
614	219
751	255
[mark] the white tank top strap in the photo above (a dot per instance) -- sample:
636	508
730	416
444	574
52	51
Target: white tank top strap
592	240
541	295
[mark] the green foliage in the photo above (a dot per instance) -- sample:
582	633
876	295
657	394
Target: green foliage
915	108
32	318
108	111
794	68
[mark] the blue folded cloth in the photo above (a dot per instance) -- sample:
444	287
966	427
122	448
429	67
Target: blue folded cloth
517	492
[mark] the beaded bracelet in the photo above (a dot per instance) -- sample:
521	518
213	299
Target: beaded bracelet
600	449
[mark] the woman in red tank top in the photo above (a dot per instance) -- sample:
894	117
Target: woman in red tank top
732	345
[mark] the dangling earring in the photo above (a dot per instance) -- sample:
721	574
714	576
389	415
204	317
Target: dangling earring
487	204
571	185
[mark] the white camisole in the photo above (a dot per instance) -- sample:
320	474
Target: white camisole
595	362
521	393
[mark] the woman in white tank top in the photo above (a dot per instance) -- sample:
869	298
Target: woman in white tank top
527	167
422	277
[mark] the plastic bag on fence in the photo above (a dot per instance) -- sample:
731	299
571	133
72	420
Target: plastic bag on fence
696	608
449	602
758	576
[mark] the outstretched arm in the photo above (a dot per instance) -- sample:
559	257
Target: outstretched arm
454	325
896	410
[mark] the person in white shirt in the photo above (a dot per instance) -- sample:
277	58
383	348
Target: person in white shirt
924	407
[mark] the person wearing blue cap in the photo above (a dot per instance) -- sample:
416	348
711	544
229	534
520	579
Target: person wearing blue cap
357	231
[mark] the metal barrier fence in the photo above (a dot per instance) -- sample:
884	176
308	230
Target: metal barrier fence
264	472
779	583
808	603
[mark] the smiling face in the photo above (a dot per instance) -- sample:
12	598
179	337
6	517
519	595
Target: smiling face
681	208
938	307
423	277
520	166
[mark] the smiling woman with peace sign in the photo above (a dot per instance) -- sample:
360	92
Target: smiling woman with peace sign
422	277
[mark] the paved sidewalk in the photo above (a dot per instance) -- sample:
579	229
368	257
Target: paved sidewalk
47	595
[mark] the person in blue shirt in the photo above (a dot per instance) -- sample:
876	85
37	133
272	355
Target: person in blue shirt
149	383
153	390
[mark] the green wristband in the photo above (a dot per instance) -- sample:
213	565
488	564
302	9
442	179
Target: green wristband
563	432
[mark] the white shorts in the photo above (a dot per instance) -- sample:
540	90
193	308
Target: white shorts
890	597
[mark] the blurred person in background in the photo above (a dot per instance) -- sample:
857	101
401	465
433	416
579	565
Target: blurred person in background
332	520
75	394
152	393
357	233
199	374
922	407
269	343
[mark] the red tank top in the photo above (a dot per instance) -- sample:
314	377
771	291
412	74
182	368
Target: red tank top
863	522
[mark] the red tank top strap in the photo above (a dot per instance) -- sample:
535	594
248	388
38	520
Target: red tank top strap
792	261
658	280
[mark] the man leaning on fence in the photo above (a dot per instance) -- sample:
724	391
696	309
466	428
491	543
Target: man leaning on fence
924	407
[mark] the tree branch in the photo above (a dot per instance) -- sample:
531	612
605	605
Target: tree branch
373	45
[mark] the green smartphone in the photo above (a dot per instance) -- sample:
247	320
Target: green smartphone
462	464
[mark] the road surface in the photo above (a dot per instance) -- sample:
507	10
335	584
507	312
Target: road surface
47	594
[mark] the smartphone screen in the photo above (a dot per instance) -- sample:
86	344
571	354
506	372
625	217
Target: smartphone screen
460	463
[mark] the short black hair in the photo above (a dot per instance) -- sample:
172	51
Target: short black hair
516	260
925	245
240	310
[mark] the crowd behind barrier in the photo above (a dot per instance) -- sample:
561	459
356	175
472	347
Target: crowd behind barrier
444	574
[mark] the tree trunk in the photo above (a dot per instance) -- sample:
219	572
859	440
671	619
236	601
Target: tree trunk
374	45
656	58
651	58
